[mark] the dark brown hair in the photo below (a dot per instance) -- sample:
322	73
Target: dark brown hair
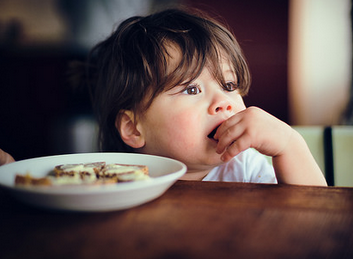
131	64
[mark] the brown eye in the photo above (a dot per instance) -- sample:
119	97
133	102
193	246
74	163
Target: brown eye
192	90
230	86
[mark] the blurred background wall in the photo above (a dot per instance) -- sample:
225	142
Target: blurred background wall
320	57
299	53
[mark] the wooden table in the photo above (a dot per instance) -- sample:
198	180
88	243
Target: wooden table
191	220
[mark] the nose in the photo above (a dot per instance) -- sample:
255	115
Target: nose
220	104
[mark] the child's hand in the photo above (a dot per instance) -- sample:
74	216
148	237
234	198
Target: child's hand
252	128
5	158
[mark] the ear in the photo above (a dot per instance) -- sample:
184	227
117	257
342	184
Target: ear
127	127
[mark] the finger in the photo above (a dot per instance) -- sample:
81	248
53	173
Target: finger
228	136
238	146
226	156
235	119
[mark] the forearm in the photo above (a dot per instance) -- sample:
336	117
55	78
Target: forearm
296	165
5	158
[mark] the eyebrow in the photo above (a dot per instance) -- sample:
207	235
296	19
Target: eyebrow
230	71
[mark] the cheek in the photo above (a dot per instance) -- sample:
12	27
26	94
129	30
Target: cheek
183	129
183	124
239	104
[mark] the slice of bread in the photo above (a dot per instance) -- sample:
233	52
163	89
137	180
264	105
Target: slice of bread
124	173
87	173
28	180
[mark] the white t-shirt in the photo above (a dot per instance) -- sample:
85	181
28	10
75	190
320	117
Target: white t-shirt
248	166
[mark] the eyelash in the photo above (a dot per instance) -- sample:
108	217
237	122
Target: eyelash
192	86
229	87
233	86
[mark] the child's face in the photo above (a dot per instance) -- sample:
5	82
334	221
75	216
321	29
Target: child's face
178	122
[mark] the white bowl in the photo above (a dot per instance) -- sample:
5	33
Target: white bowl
164	172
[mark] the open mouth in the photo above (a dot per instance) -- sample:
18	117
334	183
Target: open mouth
213	132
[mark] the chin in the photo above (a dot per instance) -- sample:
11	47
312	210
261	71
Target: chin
214	161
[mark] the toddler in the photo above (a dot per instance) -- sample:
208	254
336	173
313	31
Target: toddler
171	84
